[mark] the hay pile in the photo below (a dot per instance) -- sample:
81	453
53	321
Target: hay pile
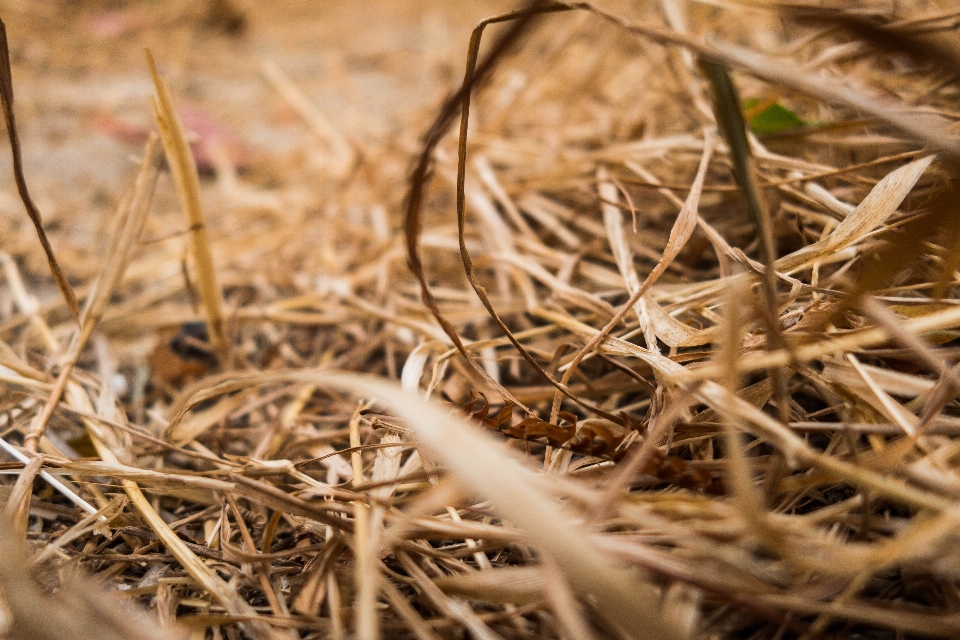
665	378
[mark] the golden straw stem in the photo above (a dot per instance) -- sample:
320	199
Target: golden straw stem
184	170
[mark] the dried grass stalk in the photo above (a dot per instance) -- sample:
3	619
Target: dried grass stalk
184	170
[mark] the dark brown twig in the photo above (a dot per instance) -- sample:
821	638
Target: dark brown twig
6	97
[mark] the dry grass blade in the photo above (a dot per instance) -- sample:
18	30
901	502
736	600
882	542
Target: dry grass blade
949	380
512	585
86	526
874	210
483	466
889	35
130	220
82	610
730	117
680	233
619	596
469	80
51	480
342	155
421	174
928	130
729	113
129	224
6	94
740	475
222	591
791	445
933	322
17	509
184	169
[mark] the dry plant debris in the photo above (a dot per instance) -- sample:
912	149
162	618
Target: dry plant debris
661	343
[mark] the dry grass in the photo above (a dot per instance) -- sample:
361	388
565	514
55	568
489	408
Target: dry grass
625	372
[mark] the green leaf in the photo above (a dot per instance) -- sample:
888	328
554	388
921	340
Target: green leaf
770	116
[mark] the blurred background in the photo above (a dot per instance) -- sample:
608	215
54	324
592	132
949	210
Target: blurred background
370	70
